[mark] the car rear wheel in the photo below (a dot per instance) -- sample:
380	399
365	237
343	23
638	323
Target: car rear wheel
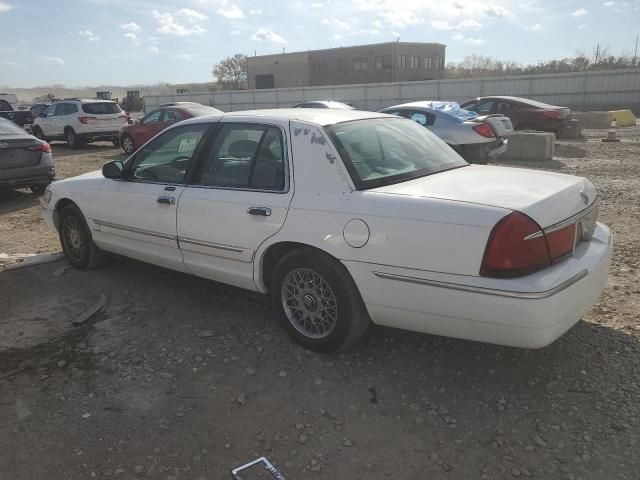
319	304
75	237
71	138
127	144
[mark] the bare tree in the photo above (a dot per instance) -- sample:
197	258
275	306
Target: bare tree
231	73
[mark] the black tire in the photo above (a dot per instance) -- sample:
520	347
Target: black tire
38	189
351	317
76	241
72	139
127	144
38	133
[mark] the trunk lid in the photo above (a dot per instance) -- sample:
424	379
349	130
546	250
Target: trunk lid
546	197
15	153
500	124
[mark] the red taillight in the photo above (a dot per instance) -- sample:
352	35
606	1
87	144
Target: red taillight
485	130
516	247
85	120
41	147
561	242
555	114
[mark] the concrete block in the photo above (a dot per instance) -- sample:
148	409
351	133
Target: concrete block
623	118
592	119
571	132
530	146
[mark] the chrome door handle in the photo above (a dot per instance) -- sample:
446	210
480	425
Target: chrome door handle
166	200
263	211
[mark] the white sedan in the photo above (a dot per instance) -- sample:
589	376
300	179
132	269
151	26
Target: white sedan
347	217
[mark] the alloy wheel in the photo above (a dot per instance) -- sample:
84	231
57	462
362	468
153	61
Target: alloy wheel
309	303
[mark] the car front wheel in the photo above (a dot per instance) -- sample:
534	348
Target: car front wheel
319	304
127	144
75	237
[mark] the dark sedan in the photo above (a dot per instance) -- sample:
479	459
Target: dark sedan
134	136
525	114
25	161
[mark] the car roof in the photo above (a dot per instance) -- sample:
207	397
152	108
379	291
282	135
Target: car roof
319	116
84	100
527	101
328	103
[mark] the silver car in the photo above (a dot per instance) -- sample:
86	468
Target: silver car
477	138
25	161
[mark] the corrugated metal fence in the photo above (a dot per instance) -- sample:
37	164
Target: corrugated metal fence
580	90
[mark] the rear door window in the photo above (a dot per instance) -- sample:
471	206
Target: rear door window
101	108
171	116
246	156
484	107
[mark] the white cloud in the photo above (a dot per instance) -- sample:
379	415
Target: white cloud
89	35
317	4
609	4
441	25
133	37
191	16
377	23
462	38
130	27
469	24
463	25
57	60
400	18
536	28
581	12
154	49
185	56
336	23
266	35
257	11
235	32
185	23
14	64
5	7
231	12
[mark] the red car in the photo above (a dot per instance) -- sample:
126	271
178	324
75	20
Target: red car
137	134
525	114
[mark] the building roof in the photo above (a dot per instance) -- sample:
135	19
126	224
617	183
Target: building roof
347	48
319	116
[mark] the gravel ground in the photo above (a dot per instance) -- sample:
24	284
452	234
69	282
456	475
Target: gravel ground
182	378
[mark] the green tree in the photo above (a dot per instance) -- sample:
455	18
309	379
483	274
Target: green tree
231	73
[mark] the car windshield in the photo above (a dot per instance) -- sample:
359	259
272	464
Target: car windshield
383	151
101	108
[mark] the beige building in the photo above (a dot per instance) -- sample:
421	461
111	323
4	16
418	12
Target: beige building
375	63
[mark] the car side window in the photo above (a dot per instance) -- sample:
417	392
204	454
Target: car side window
504	107
166	159
484	107
63	109
246	156
153	117
51	110
171	116
423	118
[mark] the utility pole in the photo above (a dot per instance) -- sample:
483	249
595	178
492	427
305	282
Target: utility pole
635	52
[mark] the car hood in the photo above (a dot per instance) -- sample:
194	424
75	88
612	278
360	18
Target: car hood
546	197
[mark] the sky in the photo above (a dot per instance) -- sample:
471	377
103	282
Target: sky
129	42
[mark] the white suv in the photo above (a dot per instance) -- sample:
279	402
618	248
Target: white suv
81	121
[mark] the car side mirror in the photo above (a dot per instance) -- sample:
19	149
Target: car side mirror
113	169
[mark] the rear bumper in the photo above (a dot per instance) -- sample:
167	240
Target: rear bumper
529	312
27	176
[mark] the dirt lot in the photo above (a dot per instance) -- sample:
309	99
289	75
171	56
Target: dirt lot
181	378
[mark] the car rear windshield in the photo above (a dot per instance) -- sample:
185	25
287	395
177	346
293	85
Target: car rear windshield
8	128
101	108
383	151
